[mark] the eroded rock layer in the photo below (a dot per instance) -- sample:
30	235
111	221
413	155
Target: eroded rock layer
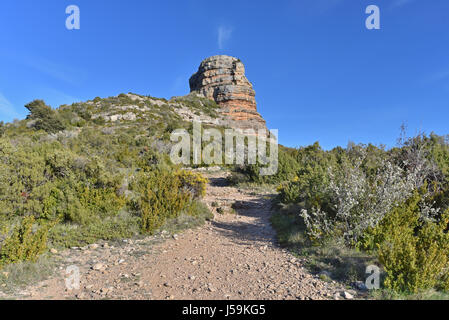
222	78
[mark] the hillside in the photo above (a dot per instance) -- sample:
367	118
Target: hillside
95	183
235	256
78	178
80	170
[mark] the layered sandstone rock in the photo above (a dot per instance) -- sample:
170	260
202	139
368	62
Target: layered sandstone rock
222	78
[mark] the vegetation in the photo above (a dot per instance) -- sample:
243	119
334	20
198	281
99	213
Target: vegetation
350	207
45	118
165	195
24	244
73	175
413	251
100	170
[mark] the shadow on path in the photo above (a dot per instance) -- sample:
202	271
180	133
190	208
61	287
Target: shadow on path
254	227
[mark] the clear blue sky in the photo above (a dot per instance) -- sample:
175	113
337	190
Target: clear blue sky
319	74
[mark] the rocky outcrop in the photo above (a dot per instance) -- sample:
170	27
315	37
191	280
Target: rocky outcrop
222	78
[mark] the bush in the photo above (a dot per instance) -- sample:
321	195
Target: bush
50	182
24	244
412	248
307	187
165	195
354	201
192	182
288	168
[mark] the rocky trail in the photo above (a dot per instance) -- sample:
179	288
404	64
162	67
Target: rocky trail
234	256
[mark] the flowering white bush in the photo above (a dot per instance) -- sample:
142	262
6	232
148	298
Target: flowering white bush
359	201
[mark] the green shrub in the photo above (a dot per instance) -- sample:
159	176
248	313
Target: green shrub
412	249
288	168
192	182
48	181
164	195
24	244
308	186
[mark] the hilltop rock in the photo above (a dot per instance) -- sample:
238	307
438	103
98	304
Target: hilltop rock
222	78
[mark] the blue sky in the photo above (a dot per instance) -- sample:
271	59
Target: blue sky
319	74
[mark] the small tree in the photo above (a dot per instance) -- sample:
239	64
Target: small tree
46	118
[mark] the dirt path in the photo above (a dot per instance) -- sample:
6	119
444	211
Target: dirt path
235	256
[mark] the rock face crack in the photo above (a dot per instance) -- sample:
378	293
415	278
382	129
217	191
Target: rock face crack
222	78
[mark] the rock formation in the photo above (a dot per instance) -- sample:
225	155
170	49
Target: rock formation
222	78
